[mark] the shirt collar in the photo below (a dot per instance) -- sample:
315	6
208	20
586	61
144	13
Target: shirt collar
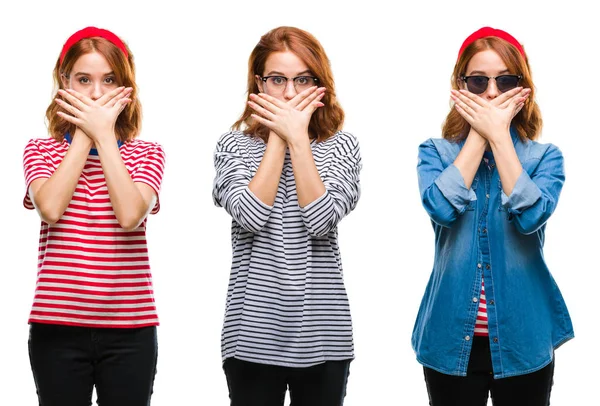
93	151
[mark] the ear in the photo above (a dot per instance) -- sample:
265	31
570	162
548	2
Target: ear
65	81
259	83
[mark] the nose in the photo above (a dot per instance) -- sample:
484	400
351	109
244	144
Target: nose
492	90
96	91
290	91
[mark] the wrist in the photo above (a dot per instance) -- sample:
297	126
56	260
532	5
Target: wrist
499	138
299	144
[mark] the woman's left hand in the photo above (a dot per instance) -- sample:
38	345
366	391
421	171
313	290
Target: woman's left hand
96	118
489	118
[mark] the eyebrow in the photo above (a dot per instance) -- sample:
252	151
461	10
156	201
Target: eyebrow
274	72
479	72
88	74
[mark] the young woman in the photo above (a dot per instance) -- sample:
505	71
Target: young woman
287	175
492	315
93	321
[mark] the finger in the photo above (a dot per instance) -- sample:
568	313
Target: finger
266	103
83	99
261	111
519	107
111	98
69	108
504	99
463	113
303	95
263	121
120	105
310	109
463	106
471	99
74	101
70	119
316	95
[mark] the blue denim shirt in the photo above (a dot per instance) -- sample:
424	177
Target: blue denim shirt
483	233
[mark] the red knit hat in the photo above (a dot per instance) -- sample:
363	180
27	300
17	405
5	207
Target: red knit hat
90	32
491	32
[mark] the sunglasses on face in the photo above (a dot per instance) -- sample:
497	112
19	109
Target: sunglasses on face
478	84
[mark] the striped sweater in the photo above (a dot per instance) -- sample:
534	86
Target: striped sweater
286	302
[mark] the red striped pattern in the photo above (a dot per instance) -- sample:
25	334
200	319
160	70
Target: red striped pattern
91	272
481	324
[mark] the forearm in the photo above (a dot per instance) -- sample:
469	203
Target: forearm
507	162
309	185
52	196
469	158
265	182
128	203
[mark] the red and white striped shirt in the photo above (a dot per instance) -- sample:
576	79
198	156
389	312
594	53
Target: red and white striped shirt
91	272
481	323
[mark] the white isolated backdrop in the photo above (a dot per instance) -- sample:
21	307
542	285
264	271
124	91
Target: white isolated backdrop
392	63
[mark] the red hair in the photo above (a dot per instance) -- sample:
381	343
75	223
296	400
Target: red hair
129	122
528	122
326	120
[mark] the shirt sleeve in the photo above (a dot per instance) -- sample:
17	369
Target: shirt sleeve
35	166
151	172
342	189
443	191
534	197
230	187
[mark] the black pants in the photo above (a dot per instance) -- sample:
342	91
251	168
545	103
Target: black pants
523	390
68	361
253	384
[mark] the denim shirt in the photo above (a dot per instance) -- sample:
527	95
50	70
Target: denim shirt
483	233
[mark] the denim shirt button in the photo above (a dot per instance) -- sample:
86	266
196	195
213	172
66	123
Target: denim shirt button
495	339
478	265
485	231
467	338
487	266
474	300
492	302
487	195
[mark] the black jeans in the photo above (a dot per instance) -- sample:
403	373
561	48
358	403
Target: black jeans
523	390
68	361
252	384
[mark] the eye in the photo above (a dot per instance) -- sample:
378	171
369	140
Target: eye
303	80
110	80
84	80
278	80
479	80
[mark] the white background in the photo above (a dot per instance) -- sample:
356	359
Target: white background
392	67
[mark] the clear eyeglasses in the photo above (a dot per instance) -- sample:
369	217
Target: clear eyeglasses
279	83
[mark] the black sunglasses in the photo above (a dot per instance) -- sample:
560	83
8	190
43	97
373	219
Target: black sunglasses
478	84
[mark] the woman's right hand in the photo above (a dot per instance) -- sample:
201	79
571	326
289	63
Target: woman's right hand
289	120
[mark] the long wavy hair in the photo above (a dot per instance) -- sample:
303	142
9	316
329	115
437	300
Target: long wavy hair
326	120
528	122
128	124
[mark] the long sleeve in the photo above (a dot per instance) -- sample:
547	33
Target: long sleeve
230	187
342	188
534	197
443	191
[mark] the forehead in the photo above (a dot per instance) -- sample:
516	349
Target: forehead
91	63
487	61
285	62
